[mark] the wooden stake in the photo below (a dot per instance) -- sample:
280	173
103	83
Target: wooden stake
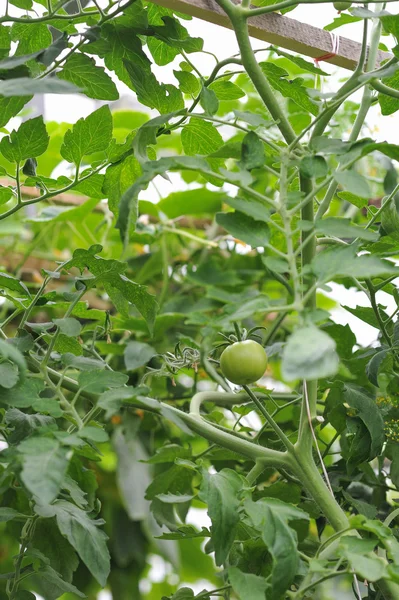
279	30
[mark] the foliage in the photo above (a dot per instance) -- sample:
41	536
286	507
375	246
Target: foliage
115	418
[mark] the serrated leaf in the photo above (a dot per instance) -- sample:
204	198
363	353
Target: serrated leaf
89	135
247	585
110	273
82	71
343	228
44	465
188	83
293	88
118	178
200	137
226	90
83	534
243	227
353	199
343	261
252	152
280	541
30	140
97	382
220	491
164	97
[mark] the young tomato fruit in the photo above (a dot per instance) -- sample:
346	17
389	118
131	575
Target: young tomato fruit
243	362
342	5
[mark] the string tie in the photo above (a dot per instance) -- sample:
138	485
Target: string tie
334	52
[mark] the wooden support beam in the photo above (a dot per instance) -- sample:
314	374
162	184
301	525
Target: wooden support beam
278	30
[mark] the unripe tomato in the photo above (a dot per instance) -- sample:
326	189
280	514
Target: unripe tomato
243	362
342	5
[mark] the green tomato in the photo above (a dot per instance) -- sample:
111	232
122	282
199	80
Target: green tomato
243	362
342	5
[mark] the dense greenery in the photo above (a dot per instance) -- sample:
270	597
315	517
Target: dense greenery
115	417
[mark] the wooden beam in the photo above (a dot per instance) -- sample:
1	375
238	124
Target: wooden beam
278	30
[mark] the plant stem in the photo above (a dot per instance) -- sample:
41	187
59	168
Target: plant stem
363	110
278	431
255	73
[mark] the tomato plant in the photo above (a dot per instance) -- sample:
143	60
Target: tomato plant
149	448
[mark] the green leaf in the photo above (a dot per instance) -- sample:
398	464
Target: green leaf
309	354
188	83
83	534
367	314
353	199
343	262
220	491
110	273
250	207
113	400
82	71
30	39
353	182
367	410
118	42
68	326
137	354
390	220
29	141
163	97
300	62
129	202
14	284
280	541
25	86
9	353
313	166
55	586
8	514
252	152
370	567
247	585
293	88
243	227
176	480
200	137
24	424
147	134
161	52
8	375
226	90
25	394
118	179
44	465
97	382
342	228
133	475
191	202
389	105
87	136
209	101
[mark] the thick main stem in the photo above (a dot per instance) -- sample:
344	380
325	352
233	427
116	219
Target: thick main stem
254	72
